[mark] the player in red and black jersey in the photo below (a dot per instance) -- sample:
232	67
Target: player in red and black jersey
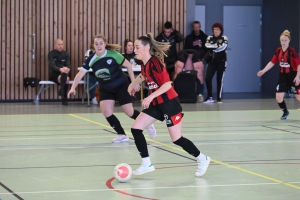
289	77
162	104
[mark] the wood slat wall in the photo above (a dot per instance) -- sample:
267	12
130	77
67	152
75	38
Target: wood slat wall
76	22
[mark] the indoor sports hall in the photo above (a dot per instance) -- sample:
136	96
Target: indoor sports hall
232	65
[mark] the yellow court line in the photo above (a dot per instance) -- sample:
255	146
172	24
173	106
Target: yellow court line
215	161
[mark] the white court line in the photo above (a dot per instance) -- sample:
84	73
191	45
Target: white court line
149	188
89	147
166	134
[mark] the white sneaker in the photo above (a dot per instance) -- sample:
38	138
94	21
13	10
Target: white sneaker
209	100
94	101
202	167
142	170
200	98
151	131
120	138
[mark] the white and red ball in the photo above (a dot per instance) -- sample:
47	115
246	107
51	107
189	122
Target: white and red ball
122	172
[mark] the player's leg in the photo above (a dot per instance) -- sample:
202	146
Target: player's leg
125	101
107	103
147	116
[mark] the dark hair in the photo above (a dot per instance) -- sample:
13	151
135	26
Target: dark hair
218	25
168	25
196	22
157	48
126	41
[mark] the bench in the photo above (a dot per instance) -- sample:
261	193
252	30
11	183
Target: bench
47	84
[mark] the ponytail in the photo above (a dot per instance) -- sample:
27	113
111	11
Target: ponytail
158	49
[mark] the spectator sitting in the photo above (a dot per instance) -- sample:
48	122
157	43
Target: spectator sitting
59	68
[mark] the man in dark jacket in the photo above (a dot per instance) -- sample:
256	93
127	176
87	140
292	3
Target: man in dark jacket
196	41
172	36
59	68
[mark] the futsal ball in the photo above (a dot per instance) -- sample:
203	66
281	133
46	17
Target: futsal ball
123	172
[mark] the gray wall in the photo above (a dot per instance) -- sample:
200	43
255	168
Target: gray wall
214	10
278	15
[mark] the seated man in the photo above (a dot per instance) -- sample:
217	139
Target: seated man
59	68
190	59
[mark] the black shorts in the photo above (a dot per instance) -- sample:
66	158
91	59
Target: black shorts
118	94
170	111
286	83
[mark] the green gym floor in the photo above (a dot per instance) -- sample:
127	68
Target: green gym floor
54	152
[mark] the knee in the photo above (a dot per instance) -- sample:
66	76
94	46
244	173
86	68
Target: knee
106	112
279	99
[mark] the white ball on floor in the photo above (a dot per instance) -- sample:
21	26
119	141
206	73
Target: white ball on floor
122	172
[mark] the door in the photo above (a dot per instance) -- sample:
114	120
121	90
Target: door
242	26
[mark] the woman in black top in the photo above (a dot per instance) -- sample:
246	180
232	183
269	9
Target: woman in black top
216	45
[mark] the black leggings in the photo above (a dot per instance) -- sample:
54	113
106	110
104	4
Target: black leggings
219	67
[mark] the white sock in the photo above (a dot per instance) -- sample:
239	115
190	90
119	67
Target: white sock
146	161
201	157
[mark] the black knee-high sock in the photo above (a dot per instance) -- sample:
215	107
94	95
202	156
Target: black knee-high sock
188	146
115	124
140	142
282	105
66	91
135	114
63	80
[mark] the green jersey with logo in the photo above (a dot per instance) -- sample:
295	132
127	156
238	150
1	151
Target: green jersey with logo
107	69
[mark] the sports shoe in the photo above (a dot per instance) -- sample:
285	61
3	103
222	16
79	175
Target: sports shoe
120	138
143	169
209	100
285	115
200	98
94	101
202	167
219	100
151	131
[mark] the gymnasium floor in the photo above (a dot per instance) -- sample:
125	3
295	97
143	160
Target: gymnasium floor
54	152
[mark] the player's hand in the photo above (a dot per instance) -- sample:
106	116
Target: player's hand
66	70
260	73
131	90
297	80
72	91
146	102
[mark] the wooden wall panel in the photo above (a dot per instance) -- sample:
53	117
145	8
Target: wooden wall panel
76	22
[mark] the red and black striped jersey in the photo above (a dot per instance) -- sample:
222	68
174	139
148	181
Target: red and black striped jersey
155	75
288	60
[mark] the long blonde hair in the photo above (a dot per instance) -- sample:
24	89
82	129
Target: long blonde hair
286	33
158	49
115	47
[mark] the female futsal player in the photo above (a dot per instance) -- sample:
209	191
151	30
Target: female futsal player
106	65
289	76
161	104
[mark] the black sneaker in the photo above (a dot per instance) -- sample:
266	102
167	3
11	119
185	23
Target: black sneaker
285	115
209	100
219	100
65	102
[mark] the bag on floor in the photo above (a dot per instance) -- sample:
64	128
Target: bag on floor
185	85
